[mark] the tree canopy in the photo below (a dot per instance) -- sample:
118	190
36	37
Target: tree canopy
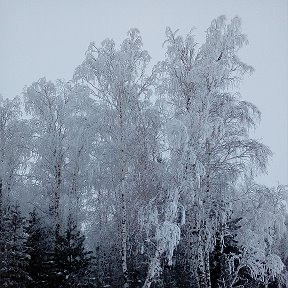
130	175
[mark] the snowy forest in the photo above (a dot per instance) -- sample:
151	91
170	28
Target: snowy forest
133	175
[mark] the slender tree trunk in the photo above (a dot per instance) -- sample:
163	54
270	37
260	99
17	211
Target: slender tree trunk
58	181
124	235
204	240
191	249
207	268
153	268
74	199
201	265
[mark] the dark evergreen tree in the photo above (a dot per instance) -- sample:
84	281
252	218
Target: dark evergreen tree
13	254
72	262
67	264
39	247
4	245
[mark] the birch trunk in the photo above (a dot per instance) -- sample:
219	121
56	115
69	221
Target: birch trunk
201	265
205	242
191	250
123	203
153	269
124	235
74	198
207	268
56	211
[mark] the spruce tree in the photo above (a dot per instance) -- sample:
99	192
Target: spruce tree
39	248
72	261
14	255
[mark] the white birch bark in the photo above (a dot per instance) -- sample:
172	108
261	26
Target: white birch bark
191	249
154	267
57	192
124	235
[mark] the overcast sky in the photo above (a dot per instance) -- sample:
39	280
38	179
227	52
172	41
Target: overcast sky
49	38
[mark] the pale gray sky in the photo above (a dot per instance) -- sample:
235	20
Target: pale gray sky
49	38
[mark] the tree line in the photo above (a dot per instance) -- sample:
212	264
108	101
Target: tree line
136	176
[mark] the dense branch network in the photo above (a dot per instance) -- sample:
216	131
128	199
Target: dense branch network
127	178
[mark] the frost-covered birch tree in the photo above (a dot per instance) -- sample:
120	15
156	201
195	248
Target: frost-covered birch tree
199	84
51	106
80	123
14	151
262	211
117	80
